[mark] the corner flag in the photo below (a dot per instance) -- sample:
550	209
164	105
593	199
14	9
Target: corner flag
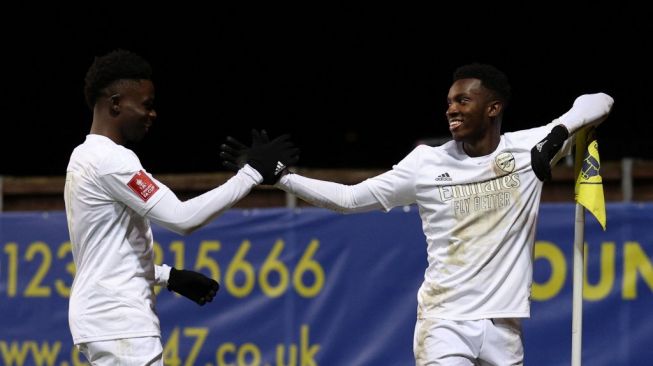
589	185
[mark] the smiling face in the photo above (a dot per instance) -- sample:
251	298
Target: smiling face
472	115
133	107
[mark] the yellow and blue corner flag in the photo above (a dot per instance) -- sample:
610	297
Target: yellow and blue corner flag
589	185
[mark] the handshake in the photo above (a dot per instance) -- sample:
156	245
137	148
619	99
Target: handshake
269	158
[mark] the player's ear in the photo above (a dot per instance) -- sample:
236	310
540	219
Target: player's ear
495	108
115	103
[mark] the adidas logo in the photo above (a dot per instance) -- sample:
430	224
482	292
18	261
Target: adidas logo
280	167
444	177
539	145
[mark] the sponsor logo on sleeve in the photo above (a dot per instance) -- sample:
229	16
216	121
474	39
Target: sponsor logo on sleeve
143	186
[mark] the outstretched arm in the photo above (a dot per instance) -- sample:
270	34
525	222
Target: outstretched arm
393	188
588	109
185	217
263	163
334	196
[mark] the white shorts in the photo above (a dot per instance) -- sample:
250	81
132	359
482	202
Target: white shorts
482	342
124	352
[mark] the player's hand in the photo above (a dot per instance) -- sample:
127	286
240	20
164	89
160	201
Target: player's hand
235	154
269	158
589	108
193	285
544	151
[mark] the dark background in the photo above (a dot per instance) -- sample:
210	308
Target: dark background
356	86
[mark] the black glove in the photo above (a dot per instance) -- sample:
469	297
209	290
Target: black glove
545	150
269	158
193	285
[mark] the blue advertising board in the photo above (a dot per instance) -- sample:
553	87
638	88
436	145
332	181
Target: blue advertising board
312	287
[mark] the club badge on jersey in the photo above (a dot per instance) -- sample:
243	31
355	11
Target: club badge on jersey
505	161
142	185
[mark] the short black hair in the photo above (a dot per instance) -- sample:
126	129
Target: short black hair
491	78
116	65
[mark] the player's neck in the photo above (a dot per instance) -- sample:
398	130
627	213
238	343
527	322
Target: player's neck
486	142
105	129
481	147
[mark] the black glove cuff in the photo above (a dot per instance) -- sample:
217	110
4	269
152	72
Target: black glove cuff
171	279
559	134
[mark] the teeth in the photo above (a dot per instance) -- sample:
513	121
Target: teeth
454	124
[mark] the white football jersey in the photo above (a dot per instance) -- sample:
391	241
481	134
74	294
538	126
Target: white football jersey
107	194
478	215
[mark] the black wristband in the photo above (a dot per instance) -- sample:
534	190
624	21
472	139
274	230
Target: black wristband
545	150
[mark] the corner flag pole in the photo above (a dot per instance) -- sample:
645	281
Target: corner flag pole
589	195
577	307
579	254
